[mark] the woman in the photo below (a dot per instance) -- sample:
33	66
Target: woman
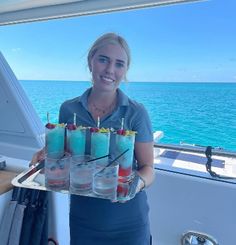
100	221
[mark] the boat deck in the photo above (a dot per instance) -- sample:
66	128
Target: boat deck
194	163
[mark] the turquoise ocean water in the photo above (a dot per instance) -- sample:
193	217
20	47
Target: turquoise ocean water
199	113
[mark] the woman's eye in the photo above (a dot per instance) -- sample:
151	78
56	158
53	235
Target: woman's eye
102	60
119	65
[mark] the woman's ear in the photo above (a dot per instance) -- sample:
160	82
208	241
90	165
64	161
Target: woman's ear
89	65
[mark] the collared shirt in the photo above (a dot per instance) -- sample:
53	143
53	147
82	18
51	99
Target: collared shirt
97	218
135	117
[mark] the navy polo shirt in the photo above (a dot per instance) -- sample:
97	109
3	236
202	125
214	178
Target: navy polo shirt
135	117
100	221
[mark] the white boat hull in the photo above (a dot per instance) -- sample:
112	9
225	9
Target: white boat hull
181	203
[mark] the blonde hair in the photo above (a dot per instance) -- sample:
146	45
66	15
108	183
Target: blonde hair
108	38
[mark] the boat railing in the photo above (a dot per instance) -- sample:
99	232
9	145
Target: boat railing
217	151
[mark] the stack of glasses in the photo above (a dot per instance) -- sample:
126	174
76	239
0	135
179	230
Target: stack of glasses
67	167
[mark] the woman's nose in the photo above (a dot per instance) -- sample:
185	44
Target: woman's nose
110	68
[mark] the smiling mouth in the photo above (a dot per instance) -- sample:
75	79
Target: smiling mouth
107	79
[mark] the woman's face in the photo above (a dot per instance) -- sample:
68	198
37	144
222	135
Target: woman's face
108	67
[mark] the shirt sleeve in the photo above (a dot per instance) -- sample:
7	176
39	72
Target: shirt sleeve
143	126
63	113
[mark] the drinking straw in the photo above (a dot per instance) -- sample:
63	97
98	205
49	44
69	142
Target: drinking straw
122	123
74	120
98	122
94	159
114	160
48	117
36	168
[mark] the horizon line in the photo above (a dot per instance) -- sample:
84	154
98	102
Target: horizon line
125	82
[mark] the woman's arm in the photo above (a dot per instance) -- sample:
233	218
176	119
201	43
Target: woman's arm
144	157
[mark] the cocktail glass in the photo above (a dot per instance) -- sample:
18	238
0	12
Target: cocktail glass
105	180
76	141
81	174
57	171
124	142
55	138
100	142
123	187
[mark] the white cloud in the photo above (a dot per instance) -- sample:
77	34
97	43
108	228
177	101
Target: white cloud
16	49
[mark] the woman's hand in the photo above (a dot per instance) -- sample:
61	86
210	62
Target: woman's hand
127	191
144	157
37	157
145	174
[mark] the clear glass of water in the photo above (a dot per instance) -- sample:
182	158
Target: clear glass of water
81	174
105	181
57	171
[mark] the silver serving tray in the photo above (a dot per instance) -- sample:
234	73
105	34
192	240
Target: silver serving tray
37	181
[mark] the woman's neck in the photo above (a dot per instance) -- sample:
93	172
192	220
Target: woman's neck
102	98
101	104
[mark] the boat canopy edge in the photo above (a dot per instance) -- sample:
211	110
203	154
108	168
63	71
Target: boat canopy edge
14	11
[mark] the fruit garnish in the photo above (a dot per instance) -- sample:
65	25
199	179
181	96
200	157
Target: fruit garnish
104	130
62	125
53	125
125	132
130	132
71	126
50	125
81	128
99	130
92	130
120	131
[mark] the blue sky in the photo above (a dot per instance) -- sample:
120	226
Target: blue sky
181	43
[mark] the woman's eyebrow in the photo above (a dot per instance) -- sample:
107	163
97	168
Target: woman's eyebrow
103	56
121	61
106	57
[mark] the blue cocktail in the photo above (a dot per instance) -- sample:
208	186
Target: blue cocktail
55	138
76	139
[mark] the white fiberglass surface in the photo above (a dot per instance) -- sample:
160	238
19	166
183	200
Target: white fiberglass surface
181	203
21	131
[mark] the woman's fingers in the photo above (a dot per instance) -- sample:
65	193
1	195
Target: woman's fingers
37	157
